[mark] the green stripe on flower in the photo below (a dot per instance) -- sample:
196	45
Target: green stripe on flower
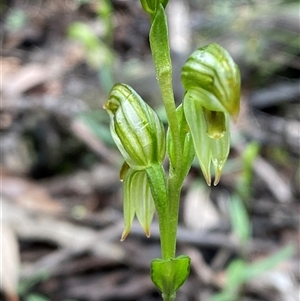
135	127
212	69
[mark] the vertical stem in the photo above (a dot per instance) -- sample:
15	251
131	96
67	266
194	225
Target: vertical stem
168	216
160	48
174	199
166	201
157	180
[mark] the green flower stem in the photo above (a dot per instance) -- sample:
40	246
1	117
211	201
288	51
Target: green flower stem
174	199
157	181
159	43
168	216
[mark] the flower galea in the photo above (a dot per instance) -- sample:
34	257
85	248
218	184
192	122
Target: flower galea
135	127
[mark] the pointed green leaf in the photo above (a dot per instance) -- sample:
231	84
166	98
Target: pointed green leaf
236	274
269	263
239	272
239	219
160	46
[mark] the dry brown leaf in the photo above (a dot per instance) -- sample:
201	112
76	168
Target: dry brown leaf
32	75
28	194
27	77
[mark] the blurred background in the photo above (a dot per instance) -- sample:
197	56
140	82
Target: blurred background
61	199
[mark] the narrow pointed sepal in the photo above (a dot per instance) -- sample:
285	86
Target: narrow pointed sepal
194	115
129	202
125	234
137	200
145	207
219	151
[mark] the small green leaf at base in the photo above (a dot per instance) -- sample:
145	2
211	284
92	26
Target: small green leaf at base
169	274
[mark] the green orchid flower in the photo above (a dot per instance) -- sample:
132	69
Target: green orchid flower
140	136
135	127
212	83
